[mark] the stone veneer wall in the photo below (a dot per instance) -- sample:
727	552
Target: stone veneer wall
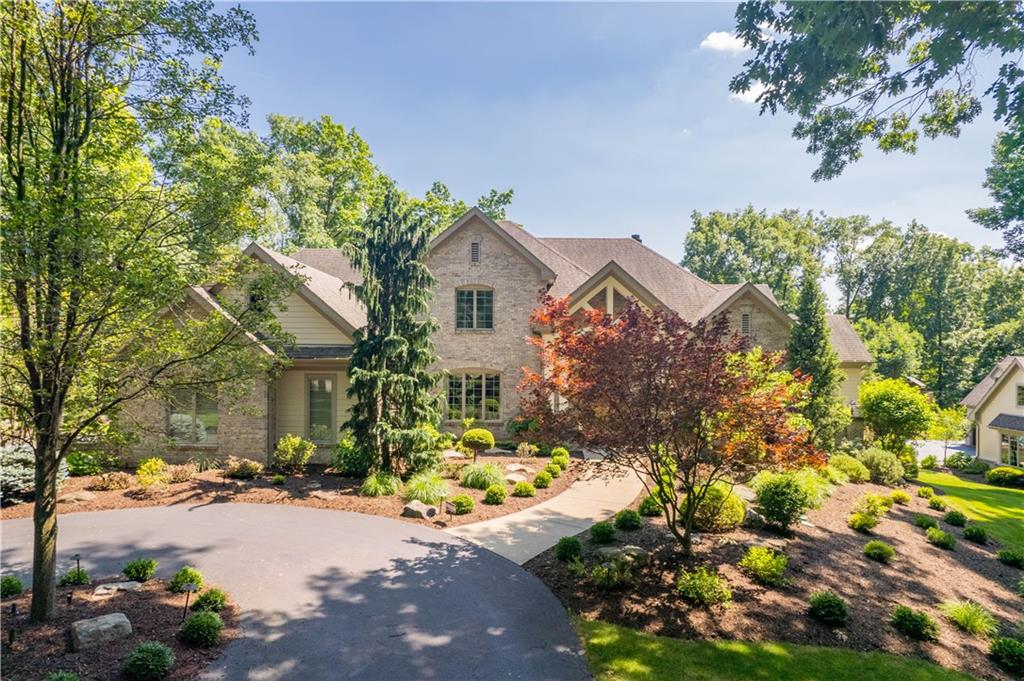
516	282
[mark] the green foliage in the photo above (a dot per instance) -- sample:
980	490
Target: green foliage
561	452
936	504
553	469
149	661
213	600
242	469
185	575
1018	587
495	495
970	617
140	569
627	519
895	346
390	377
524	489
61	676
602	532
463	504
781	500
862	522
883	466
524	450
703	587
429	487
292	453
542	480
976	534
650	507
477	440
948	424
202	629
875	505
560	460
925	522
380	484
278	479
955	518
82	462
482	476
895	410
915	624
854	469
1002	179
205	463
349	460
1004	476
74	577
976	467
929	462
10	586
879	550
944	540
958	461
1011	557
568	548
900	497
719	511
925	492
1008	653
616	574
765	565
152	472
828	607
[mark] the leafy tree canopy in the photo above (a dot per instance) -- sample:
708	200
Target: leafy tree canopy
895	410
895	346
1004	180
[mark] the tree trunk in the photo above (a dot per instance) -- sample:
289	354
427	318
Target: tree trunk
44	550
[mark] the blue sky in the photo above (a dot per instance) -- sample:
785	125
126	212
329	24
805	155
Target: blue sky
606	119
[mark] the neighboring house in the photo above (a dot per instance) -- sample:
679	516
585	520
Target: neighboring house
996	408
490	275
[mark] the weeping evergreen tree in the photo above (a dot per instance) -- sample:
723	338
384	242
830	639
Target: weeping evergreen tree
811	353
390	377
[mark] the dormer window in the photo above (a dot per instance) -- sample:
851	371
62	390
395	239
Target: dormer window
745	323
474	252
474	308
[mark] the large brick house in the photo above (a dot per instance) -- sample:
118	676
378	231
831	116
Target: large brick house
489	275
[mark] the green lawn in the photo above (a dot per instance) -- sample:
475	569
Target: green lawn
620	654
1000	510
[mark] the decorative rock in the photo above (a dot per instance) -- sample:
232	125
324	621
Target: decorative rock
107	590
417	509
744	492
76	497
90	633
630	552
452	454
515	477
518	468
320	494
313	485
753	519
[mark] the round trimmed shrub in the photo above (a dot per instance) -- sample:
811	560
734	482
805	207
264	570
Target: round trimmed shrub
349	460
862	522
495	495
914	623
828	607
854	469
278	479
925	492
627	519
213	600
944	540
872	504
955	518
925	522
879	550
562	460
149	661
602	532
702	586
781	500
202	629
885	467
719	511
428	487
292	453
900	497
1008	653
975	534
463	504
10	586
477	440
152	472
74	577
568	548
1011	557
936	504
542	480
650	507
481	476
186	575
553	469
380	484
560	452
765	565
140	569
524	489
929	462
1004	476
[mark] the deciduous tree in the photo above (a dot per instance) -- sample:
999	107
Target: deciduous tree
895	346
895	410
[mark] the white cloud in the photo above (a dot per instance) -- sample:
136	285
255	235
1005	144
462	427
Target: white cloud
748	96
723	41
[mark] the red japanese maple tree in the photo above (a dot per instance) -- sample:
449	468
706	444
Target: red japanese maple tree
684	405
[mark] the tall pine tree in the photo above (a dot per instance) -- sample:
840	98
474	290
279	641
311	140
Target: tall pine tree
390	377
811	353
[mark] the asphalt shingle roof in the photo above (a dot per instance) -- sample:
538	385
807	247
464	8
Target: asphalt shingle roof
1008	422
985	385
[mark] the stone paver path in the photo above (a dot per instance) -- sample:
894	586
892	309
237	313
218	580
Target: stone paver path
334	595
521	536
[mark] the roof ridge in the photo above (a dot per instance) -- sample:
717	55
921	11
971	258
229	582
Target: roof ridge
539	240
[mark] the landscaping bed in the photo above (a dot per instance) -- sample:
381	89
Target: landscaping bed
155	614
824	555
316	488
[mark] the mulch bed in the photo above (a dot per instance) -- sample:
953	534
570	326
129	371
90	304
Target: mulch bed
316	488
825	556
154	612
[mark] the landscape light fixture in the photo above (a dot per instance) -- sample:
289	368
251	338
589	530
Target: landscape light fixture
188	589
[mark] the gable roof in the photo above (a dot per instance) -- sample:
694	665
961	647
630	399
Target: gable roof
201	297
987	386
475	213
333	261
846	341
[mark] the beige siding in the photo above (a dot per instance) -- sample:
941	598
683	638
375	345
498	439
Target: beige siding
309	327
852	376
1004	401
291	401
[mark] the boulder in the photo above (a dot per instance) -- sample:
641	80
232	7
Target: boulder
321	494
518	468
107	590
744	493
753	519
417	509
312	485
515	477
634	554
96	631
76	497
453	454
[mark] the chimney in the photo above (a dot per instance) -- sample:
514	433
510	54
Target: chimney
636	238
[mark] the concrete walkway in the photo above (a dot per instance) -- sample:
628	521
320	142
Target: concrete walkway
521	536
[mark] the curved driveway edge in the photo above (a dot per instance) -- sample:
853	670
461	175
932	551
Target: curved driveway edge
332	595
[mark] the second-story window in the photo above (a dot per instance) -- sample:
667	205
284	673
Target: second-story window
474	308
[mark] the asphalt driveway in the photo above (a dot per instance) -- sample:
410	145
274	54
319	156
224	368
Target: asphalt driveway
336	595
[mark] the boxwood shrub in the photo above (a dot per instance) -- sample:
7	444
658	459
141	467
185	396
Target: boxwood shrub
975	534
955	518
900	497
602	532
862	522
140	569
463	504
925	492
495	495
781	500
542	480
1011	557
936	504
650	507
879	550
74	577
149	661
202	629
1008	653
828	607
1004	476
914	623
765	565
186	575
524	489
10	586
553	469
719	511
944	540
213	600
925	521
854	469
702	586
568	548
